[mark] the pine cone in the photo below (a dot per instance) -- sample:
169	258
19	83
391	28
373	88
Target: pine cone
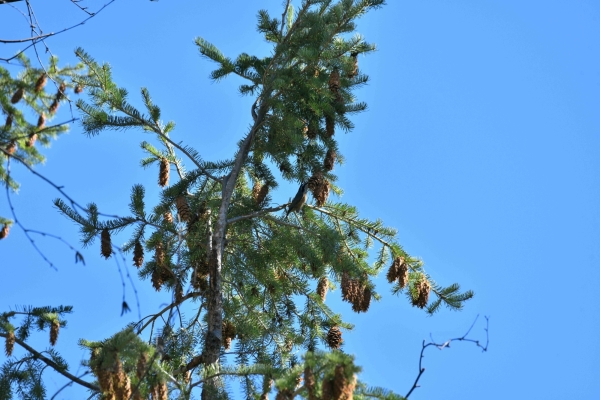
334	81
259	192
141	366
362	302
168	217
17	96
41	121
319	186
41	82
327	390
163	392
334	338
398	272
54	328
53	106
9	344
309	383
423	288
322	287
61	91
31	139
12	147
4	231
105	246
105	381
163	175
329	125
78	88
138	254
201	284
183	208
329	161
9	121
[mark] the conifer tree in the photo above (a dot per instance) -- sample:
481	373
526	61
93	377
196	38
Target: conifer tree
28	104
254	275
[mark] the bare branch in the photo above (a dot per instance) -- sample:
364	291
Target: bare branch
446	344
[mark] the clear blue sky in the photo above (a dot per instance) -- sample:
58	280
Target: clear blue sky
480	146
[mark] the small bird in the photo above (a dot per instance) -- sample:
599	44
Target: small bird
299	199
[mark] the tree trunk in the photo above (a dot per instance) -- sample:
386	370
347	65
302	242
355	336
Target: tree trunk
212	346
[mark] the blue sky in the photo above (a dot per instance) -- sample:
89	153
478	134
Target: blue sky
480	146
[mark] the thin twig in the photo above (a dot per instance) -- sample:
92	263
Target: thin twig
446	344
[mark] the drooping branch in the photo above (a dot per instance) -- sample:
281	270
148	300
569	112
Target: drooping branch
52	364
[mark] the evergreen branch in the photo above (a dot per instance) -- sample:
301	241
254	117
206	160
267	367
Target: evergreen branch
446	344
52	364
256	214
353	222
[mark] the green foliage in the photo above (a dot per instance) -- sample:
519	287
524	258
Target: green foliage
28	102
265	282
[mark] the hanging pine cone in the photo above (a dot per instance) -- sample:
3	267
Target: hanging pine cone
334	81
138	254
398	272
168	217
354	71
362	301
41	82
183	208
105	245
31	139
334	338
327	390
423	288
322	287
319	186
201	284
78	88
120	381
12	147
178	292
17	96
9	344
157	278
162	391
142	363
163	175
259	192
343	388
329	126
228	334
41	121
4	231
329	161
53	106
54	328
61	91
106	383
309	383
9	121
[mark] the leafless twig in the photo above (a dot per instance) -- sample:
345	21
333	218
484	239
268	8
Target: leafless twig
446	344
